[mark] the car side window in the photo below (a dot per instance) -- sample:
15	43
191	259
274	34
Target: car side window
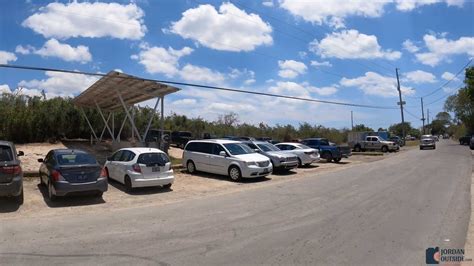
284	147
290	147
206	147
117	155
216	149
127	156
252	146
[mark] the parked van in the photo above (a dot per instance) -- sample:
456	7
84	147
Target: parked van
225	157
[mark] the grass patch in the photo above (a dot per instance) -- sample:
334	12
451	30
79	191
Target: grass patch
410	143
175	160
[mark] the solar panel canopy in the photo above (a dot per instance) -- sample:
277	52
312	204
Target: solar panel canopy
105	92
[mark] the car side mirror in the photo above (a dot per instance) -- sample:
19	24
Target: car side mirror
21	153
40	160
223	153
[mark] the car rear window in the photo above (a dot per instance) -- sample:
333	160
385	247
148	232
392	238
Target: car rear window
6	153
75	158
153	158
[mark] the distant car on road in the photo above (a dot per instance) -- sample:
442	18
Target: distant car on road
280	160
375	143
465	140
140	167
11	174
66	172
225	157
399	141
326	150
306	155
427	142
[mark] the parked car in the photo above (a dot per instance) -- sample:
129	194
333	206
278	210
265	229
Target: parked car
427	142
465	140
471	144
225	157
11	174
397	140
374	143
180	138
280	160
140	167
67	171
327	151
306	155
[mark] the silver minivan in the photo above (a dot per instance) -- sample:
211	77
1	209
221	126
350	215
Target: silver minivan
225	157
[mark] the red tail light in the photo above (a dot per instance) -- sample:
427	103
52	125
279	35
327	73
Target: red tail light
103	172
14	169
136	168
56	175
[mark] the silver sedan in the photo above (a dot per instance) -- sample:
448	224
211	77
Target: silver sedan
306	155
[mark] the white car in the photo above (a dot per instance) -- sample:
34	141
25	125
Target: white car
225	157
306	155
140	167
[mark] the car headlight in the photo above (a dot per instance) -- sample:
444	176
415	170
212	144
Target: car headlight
251	163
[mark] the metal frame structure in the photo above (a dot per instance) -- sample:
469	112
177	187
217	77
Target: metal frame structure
117	91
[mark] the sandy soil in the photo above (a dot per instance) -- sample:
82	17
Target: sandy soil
35	151
175	152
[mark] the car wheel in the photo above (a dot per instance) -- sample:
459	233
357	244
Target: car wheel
20	198
191	167
167	186
384	149
336	160
307	164
234	173
357	148
128	184
41	181
51	195
327	156
299	162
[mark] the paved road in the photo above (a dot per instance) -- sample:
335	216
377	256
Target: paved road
384	212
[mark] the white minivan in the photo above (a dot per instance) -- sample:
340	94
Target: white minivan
225	157
140	167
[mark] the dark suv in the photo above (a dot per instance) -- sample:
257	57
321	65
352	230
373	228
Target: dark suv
11	175
180	138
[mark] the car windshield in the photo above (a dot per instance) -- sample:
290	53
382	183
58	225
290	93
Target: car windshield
5	153
238	148
153	158
324	142
75	158
268	147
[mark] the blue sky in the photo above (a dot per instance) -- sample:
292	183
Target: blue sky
343	51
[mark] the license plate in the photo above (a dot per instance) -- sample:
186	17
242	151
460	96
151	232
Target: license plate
155	169
82	177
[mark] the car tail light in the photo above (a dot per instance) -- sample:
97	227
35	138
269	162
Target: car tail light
136	168
56	175
14	169
103	172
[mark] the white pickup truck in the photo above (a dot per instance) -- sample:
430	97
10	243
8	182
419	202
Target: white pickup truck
375	143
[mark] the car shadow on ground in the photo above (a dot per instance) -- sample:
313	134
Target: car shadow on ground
226	178
139	190
8	205
70	201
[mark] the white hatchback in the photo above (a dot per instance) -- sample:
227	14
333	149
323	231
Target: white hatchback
306	155
140	167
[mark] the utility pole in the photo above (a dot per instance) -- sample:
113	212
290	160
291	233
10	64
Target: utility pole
401	104
423	115
428	111
352	121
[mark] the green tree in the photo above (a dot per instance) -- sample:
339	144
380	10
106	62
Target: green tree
462	103
362	127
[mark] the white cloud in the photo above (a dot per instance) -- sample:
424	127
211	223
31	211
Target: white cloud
86	19
161	60
6	57
291	68
53	48
408	5
318	64
4	88
59	84
441	49
290	89
229	29
419	77
267	3
249	81
332	12
201	74
325	91
350	44
410	46
449	76
374	84
185	102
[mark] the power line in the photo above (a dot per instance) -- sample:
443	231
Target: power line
197	86
447	82
410	113
445	96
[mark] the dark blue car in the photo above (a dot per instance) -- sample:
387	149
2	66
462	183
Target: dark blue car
326	150
67	172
